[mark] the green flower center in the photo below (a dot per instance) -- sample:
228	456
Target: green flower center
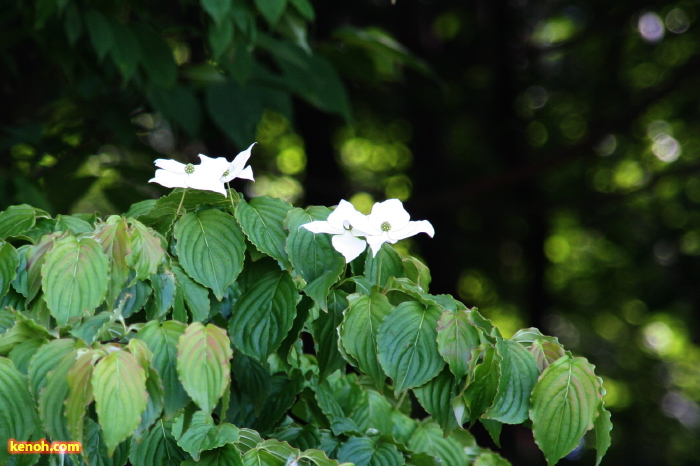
385	226
189	168
226	173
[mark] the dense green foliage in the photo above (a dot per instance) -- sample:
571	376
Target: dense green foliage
184	336
552	143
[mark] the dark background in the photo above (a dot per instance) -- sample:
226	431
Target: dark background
553	145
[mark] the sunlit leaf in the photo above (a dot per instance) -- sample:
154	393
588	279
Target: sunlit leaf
116	245
119	387
146	250
74	278
204	364
565	403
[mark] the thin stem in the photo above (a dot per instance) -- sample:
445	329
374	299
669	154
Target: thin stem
181	201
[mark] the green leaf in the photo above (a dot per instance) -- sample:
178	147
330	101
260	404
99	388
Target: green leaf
217	9
366	451
603	426
228	455
311	255
9	261
417	272
116	245
264	314
270	453
100	32
119	386
456	338
194	294
271	10
358	332
80	394
35	260
305	8
20	330
17	416
204	364
125	49
52	398
373	412
16	220
164	289
319	289
95	448
180	105
221	37
156	402
146	250
262	221
158	446
234	111
74	224
565	403
211	248
436	397
200	433
518	374
407	349
544	348
45	360
317	82
326	338
22	353
157	58
252	379
428	438
74	278
387	263
483	384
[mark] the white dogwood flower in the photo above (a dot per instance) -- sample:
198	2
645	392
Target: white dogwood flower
209	175
174	174
237	168
388	223
340	224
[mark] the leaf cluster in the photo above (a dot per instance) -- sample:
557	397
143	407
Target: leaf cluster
211	330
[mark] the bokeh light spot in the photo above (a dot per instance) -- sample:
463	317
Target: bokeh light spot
650	27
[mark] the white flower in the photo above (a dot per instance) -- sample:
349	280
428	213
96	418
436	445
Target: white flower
235	169
209	175
206	176
388	223
340	224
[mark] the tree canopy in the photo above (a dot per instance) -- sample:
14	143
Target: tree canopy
551	143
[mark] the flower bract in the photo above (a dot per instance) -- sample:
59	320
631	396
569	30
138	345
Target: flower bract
340	223
174	174
237	168
209	175
388	223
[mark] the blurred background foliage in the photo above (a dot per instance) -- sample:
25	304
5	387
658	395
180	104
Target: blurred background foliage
553	144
